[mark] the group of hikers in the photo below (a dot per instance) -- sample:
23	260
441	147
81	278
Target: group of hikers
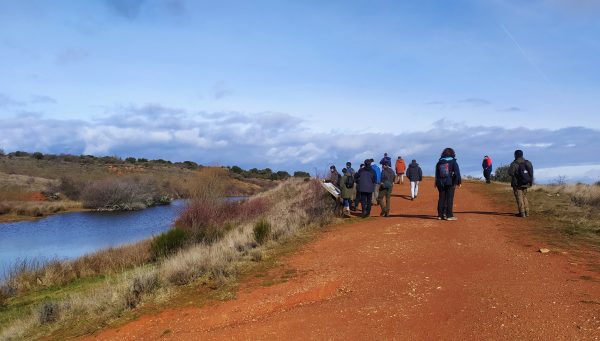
373	184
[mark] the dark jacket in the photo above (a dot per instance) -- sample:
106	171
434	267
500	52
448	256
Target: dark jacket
454	179
387	174
414	172
367	180
513	170
386	160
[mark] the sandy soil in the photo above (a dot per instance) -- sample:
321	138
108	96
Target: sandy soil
409	276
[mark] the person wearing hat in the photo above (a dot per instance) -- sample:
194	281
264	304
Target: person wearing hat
521	174
366	185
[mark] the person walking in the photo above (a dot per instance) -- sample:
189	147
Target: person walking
521	175
447	177
366	184
386	160
400	170
385	189
486	164
415	175
378	180
346	187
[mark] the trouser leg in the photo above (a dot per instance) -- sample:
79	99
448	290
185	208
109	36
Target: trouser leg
369	201
375	194
450	201
412	189
388	200
441	202
519	198
525	201
416	189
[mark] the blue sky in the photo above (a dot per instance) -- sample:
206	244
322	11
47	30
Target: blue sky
302	84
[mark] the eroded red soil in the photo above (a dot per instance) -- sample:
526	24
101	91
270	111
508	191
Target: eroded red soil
409	276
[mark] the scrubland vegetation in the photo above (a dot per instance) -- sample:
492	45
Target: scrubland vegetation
35	185
574	209
210	242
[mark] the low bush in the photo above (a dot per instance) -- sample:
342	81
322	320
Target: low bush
501	174
168	243
126	193
49	313
262	231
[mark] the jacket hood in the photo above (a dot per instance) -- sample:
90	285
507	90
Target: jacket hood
413	164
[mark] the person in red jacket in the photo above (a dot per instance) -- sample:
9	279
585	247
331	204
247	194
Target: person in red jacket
400	170
486	164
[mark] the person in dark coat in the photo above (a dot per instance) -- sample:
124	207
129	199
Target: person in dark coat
357	199
521	174
366	185
386	160
415	175
447	177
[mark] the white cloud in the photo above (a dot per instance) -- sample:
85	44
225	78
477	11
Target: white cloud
277	139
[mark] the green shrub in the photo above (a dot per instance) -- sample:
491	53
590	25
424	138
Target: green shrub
501	174
301	174
262	231
168	242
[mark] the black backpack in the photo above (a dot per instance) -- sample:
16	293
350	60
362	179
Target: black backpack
523	175
349	181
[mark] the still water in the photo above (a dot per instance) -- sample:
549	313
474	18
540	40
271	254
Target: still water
70	235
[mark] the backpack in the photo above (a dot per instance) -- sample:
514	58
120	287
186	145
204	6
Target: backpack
523	176
349	181
445	173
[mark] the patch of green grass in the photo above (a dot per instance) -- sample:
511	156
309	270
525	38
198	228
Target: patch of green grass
19	306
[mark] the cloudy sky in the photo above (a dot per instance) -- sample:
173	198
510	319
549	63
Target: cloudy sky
303	84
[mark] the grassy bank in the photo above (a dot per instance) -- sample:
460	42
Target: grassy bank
212	243
566	216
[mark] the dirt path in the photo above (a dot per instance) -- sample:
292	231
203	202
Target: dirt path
405	277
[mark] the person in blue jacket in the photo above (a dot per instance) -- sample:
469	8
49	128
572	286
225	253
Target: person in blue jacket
377	171
447	177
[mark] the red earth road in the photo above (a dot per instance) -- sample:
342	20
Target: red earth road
409	276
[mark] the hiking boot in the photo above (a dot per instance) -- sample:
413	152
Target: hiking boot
412	199
441	218
526	214
452	218
381	214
